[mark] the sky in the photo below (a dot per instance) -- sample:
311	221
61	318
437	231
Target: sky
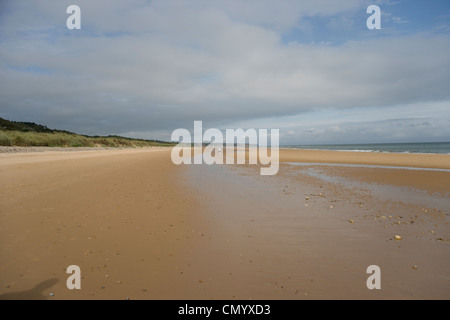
310	68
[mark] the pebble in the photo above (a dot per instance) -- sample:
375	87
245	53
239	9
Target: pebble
415	267
397	237
351	221
307	198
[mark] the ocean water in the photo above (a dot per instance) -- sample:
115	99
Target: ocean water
422	147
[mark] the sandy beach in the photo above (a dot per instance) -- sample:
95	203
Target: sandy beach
140	227
417	160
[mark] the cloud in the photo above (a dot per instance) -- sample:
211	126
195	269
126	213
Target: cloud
146	68
399	123
394	130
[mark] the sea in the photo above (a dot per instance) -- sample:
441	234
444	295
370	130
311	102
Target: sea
414	147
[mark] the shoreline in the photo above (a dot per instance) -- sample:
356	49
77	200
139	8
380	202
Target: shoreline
310	156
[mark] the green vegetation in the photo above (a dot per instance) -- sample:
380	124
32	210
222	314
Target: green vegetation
29	134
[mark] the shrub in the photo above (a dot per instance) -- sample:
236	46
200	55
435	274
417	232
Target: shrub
4	139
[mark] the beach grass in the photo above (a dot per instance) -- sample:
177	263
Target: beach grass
30	134
64	139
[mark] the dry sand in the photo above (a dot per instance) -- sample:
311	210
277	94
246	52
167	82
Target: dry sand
441	161
140	227
118	215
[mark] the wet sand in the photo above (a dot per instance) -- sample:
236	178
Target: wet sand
140	227
312	231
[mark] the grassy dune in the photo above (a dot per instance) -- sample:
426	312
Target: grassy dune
26	134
